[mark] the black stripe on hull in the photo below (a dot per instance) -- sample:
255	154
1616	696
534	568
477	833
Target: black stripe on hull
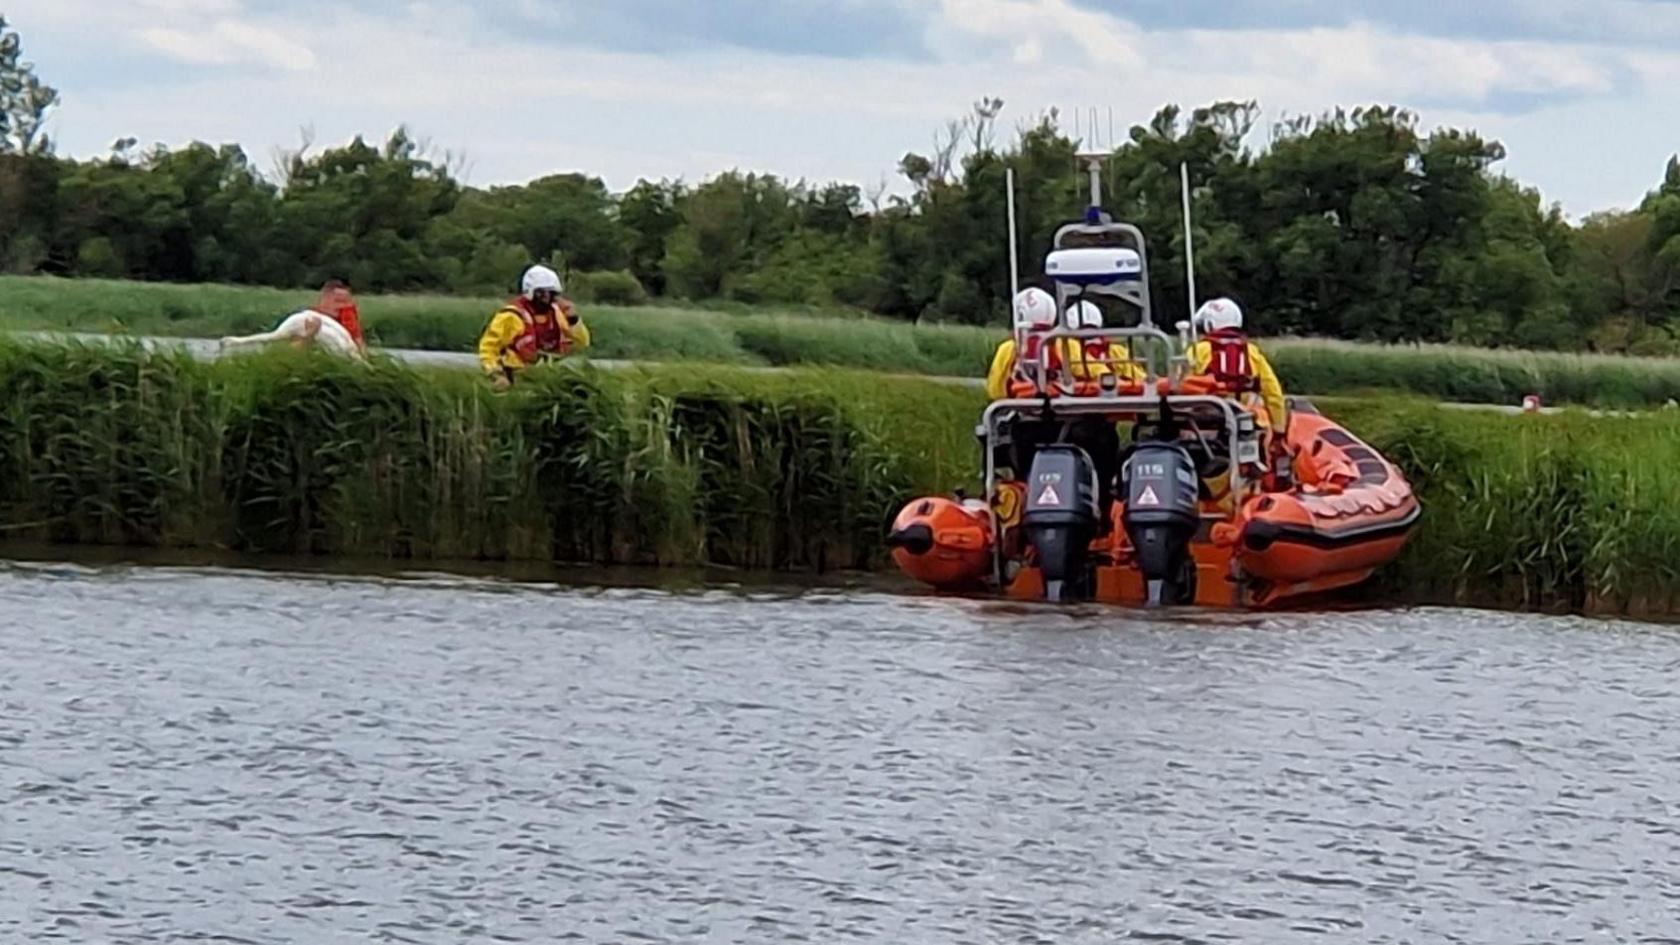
1261	536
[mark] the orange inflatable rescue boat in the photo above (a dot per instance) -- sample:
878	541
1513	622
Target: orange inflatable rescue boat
1347	513
1141	484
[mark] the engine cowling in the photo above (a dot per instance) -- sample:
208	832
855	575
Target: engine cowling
1161	518
1060	519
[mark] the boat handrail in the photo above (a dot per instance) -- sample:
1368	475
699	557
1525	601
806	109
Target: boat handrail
1159	351
1227	409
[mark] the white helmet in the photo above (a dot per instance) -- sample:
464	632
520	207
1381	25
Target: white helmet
539	277
1034	309
1084	315
1219	315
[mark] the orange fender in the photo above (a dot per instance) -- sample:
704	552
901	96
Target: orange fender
943	543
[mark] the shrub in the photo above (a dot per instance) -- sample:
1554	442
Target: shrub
607	288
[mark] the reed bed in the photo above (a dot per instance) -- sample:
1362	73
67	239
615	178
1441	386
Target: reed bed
289	452
664	465
1569	513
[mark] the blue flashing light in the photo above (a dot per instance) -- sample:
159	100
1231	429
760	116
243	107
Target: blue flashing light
1093	215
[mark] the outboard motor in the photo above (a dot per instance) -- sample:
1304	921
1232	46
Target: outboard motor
1161	519
1061	519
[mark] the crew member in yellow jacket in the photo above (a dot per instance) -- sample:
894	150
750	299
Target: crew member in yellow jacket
1034	315
1090	360
539	324
1226	354
1097	357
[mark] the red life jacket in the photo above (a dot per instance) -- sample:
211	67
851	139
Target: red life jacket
1229	363
1026	364
542	334
351	319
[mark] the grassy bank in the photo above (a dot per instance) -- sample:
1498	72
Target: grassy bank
769	337
676	465
1564	513
298	454
665	465
1472	375
443	323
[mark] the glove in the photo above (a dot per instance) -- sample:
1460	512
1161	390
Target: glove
500	382
569	310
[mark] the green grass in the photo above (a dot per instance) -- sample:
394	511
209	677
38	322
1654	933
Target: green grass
736	335
711	334
1568	512
1474	375
290	452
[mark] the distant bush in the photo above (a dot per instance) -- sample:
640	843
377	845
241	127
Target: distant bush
608	288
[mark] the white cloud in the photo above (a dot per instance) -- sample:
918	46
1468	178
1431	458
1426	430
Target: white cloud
437	65
192	7
1098	38
1363	61
231	42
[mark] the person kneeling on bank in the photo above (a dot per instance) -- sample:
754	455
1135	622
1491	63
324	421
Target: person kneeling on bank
538	325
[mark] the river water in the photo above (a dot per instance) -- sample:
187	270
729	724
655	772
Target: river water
213	755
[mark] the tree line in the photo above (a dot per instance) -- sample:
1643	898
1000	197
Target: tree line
1352	224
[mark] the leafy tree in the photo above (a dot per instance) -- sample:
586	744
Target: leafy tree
1370	223
1144	180
1351	224
28	210
24	99
648	214
814	267
570	216
1613	269
1663	208
729	225
836	209
363	212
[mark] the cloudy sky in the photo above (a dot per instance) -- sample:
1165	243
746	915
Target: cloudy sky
1586	95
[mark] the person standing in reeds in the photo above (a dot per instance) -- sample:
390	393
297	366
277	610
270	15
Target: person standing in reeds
540	323
333	323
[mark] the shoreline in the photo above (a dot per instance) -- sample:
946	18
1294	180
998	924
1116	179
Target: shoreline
795	472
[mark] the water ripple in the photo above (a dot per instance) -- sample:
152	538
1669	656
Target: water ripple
207	756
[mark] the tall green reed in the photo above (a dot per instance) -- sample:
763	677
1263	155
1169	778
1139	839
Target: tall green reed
301	453
104	444
292	452
1569	512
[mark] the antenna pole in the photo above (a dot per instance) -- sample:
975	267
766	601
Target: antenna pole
1189	246
1014	252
